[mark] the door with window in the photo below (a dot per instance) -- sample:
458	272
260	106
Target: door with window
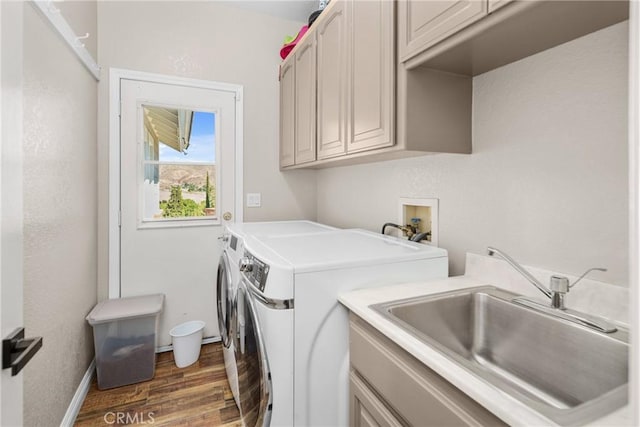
177	190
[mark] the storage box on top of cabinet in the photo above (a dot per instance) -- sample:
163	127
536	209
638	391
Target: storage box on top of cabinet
124	335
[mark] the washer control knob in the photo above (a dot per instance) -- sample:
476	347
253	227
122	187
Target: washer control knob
246	265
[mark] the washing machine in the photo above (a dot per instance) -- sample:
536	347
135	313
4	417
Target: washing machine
292	333
226	288
228	281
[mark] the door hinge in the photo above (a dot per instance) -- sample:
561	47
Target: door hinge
238	97
119	218
120	108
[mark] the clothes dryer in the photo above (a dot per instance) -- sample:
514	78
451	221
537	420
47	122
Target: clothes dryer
291	326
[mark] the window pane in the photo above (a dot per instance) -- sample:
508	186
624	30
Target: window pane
180	191
177	182
201	146
179	135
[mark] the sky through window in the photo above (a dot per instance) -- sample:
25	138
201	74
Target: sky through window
202	142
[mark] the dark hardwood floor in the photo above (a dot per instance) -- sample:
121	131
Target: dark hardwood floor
198	395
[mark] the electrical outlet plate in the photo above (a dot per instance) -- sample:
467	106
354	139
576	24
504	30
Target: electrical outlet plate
254	200
424	208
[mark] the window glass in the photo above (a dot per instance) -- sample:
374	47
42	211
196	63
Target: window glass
179	166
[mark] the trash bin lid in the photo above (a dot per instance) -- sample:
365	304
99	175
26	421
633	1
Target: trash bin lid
125	308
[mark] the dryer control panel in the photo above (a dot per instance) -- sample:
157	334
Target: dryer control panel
254	270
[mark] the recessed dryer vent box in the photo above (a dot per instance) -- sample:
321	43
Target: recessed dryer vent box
424	213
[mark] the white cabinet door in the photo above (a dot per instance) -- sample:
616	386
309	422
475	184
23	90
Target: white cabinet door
287	113
497	4
365	408
421	24
332	48
371	91
305	101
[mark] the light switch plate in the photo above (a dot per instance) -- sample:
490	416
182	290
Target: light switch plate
253	200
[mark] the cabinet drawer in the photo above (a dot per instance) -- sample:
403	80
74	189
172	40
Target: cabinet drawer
417	393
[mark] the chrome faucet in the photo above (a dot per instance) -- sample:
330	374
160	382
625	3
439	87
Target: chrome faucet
520	269
558	287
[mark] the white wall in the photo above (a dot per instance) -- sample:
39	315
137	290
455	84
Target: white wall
547	180
60	214
211	41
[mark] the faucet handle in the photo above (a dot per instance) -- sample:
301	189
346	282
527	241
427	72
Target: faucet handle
559	284
585	273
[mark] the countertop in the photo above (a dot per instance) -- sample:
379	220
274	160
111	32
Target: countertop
505	407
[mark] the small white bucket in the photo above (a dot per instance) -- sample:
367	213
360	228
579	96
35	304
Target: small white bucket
187	338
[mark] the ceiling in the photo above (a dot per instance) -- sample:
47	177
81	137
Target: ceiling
293	10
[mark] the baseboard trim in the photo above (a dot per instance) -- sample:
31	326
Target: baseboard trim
169	347
78	398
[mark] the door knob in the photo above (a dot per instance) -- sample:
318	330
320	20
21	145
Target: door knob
18	350
227	216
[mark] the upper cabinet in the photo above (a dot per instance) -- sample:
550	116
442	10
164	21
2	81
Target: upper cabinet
371	100
332	69
496	4
355	77
381	79
422	24
471	37
305	101
344	90
287	112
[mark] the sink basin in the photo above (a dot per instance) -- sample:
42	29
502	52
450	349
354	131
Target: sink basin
567	372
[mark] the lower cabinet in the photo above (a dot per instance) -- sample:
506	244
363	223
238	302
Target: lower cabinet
389	387
365	408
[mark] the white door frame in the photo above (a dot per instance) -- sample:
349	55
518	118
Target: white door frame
634	207
115	75
11	197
